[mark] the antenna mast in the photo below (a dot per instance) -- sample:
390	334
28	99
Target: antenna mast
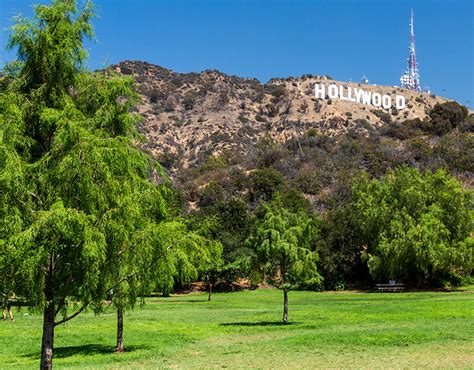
411	78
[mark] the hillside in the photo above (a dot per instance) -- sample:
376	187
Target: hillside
212	129
213	112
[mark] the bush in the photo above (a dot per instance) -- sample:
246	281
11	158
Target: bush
276	90
189	101
309	181
265	183
447	116
210	194
420	150
384	116
214	162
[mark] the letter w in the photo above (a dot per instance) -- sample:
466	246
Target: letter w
366	97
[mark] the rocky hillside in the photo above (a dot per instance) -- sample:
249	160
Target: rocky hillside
191	115
223	138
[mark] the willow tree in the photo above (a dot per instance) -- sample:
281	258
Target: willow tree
416	227
75	188
168	252
181	254
284	244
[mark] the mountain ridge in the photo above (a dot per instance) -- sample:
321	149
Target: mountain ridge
214	112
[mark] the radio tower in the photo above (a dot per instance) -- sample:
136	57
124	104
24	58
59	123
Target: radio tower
411	78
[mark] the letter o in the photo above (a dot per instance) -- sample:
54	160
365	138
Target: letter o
376	99
386	101
332	91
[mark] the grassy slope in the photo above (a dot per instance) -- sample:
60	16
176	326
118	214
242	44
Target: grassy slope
242	329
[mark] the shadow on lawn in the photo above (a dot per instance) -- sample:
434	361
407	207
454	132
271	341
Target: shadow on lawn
87	349
258	323
187	301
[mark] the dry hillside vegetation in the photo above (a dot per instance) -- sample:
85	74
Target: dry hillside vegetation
192	115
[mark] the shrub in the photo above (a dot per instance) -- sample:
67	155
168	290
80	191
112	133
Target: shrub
447	116
309	181
384	116
214	162
189	101
210	194
265	183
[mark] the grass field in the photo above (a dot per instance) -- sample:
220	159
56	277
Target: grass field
347	329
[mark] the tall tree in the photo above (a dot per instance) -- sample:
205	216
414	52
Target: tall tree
416	227
74	186
284	242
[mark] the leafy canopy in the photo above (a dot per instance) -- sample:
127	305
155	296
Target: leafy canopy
416	226
77	193
284	244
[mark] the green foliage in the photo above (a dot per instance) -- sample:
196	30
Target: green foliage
81	204
384	116
340	246
284	244
292	200
83	209
416	227
228	222
447	116
210	194
265	182
312	132
309	181
214	162
181	255
420	149
457	151
268	153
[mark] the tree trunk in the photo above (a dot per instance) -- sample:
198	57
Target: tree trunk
285	306
48	337
119	347
210	291
10	313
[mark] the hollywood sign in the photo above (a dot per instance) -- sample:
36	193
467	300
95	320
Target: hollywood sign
361	96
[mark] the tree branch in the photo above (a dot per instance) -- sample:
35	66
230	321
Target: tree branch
67	318
84	306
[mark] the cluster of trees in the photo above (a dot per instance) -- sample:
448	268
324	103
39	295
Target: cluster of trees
87	219
408	225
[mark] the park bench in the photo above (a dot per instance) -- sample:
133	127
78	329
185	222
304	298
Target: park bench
390	287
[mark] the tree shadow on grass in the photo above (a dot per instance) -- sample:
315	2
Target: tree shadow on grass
187	301
86	349
258	323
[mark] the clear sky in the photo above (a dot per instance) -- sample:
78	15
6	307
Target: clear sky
279	38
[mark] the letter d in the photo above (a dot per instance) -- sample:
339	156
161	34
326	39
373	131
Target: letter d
400	102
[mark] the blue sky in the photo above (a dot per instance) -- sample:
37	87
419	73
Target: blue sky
279	38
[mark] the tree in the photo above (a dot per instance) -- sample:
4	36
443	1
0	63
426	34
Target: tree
415	226
340	247
181	254
229	222
284	245
74	186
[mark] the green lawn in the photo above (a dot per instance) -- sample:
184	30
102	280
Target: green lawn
347	329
